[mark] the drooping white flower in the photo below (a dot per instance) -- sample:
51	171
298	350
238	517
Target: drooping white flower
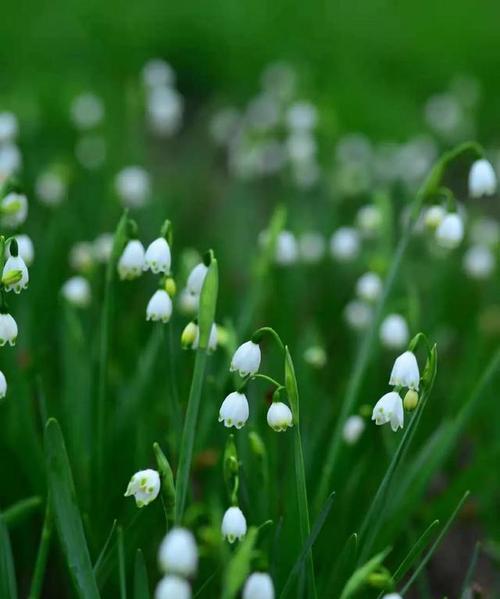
311	247
286	251
173	587
157	256
392	596
103	247
144	486
344	244
485	231
482	179
450	232
258	585
279	416
76	291
25	249
234	524
11	160
389	408
394	332
246	359
196	278
433	216
353	429
479	262
188	303
159	307
87	111
234	410
156	72
369	287
13	209
3	385
131	262
301	116
212	339
133	186
50	188
405	372
178	553
165	107
8	127
358	314
8	330
81	256
369	220
16	263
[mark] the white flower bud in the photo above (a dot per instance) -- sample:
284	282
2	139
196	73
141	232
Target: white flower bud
358	315
344	244
450	232
389	408
131	263
311	247
25	249
234	524
369	287
133	186
394	332
173	587
16	263
76	291
279	416
433	216
178	553
159	307
482	179
13	210
144	486
405	372
479	262
246	359
3	385
353	429
286	251
196	278
8	330
157	256
234	410
258	585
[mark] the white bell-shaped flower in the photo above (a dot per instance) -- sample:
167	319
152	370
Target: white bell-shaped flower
187	302
279	416
13	209
286	251
212	339
234	524
369	287
311	247
25	249
131	262
159	307
450	232
433	216
173	587
392	596
479	262
246	359
405	372
389	408
196	278
3	385
157	256
81	256
258	585
344	244
358	314
482	179
133	186
353	429
9	127
394	332
234	410
144	486
178	553
8	330
12	264
76	291
369	220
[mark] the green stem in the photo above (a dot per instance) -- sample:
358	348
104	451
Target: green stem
188	434
260	332
41	558
269	379
174	395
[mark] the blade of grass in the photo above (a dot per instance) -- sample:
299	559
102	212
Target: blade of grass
8	587
470	572
43	553
16	513
121	563
239	566
414	552
358	579
339	573
141	584
66	513
102	554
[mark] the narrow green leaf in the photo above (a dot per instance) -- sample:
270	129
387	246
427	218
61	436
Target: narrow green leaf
16	513
42	556
358	579
8	587
470	572
121	563
66	513
239	567
167	479
141	584
208	303
343	564
415	551
102	555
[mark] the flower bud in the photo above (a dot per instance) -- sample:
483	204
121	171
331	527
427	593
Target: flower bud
258	585
173	587
353	429
188	335
410	401
482	179
170	286
450	232
279	416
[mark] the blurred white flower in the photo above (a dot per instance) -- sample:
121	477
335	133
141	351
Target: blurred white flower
311	247
445	115
263	112
394	332
279	416
12	264
76	291
353	429
9	128
3	385
301	146
369	220
258	585
178	553
344	244
369	287
165	107
91	151
450	232
159	307
224	125
188	302
157	72
246	359
144	486
234	410
479	262
482	179
358	314
131	262
25	249
103	247
8	330
10	160
279	79
392	596
197	278
50	188
485	231
405	372
173	587
286	251
13	210
306	173
81	256
133	186
389	408
87	111
315	356
433	216
234	524
157	257
302	116
212	339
